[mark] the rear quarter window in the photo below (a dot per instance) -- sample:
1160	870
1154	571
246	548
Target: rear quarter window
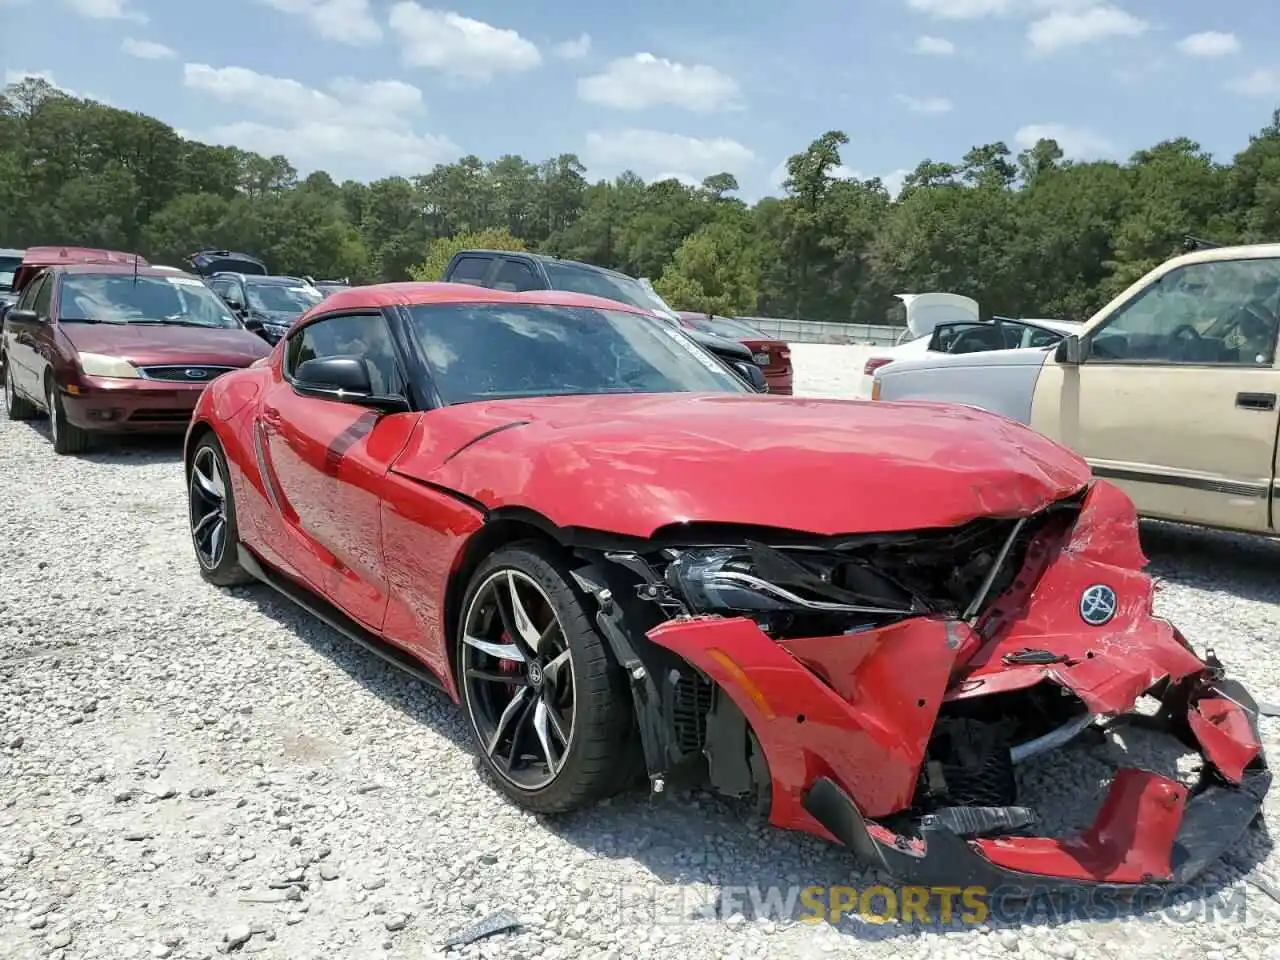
470	270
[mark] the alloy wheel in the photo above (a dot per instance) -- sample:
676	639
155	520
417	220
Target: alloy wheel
517	676
208	508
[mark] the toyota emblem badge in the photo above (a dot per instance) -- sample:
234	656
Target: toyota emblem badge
1098	605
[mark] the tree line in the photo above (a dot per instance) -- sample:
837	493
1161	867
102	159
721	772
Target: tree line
1028	235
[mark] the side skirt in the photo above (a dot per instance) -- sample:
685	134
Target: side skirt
322	610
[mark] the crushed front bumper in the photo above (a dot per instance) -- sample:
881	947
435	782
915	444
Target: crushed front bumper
1149	830
839	718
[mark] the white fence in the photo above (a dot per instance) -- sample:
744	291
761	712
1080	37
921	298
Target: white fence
822	331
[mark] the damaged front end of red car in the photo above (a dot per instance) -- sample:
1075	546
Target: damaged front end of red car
881	691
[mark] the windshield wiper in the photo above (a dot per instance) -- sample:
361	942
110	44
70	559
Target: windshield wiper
171	321
86	320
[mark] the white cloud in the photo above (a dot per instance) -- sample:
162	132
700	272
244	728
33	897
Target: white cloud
147	49
1262	82
934	46
927	105
1077	143
643	80
653	153
346	21
1210	43
459	46
1073	28
573	49
364	125
106	10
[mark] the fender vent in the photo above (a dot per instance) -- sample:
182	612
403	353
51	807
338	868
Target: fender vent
690	702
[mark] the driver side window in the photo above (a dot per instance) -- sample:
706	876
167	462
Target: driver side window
1224	313
365	336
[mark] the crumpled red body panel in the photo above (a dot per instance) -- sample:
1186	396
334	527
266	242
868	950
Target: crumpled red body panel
1222	729
1107	667
1130	841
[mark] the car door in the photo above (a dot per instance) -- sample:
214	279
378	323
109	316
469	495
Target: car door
328	459
1175	399
26	341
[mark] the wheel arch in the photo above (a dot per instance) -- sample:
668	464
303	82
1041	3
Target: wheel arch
502	528
198	430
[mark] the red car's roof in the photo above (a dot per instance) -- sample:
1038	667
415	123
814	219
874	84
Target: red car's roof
417	294
125	269
35	259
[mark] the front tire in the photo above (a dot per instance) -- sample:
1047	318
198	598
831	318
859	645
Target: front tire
16	406
67	437
211	510
546	702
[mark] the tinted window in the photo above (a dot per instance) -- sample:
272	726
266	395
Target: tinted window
44	298
1220	312
365	336
124	298
491	351
281	297
28	298
229	290
8	267
470	270
515	275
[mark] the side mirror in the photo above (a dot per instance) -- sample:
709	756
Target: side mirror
1070	352
344	380
22	316
752	374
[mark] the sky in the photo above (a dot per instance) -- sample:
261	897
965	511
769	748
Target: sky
372	88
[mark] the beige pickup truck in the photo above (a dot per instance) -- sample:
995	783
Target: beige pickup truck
1169	390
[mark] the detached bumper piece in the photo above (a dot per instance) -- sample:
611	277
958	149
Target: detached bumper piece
1149	830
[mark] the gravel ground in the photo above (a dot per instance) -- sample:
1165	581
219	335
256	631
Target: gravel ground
186	772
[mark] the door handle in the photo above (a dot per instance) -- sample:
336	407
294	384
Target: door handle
1256	401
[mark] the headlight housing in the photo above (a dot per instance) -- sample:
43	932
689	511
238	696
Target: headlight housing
101	365
759	580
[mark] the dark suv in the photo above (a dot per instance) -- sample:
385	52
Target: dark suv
269	306
509	270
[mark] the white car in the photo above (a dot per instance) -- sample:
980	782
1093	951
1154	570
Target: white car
948	323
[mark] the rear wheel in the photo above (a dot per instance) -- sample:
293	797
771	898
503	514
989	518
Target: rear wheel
67	437
17	407
212	512
547	704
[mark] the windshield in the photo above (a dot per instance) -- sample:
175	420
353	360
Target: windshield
282	298
8	267
124	298
611	286
493	351
736	328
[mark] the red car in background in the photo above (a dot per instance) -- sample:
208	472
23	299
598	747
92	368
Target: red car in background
102	343
769	353
617	557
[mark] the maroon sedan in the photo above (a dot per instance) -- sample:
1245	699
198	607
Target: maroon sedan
105	347
770	354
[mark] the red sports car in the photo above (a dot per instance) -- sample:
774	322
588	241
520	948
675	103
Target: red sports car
617	558
772	355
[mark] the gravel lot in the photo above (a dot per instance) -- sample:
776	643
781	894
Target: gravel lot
185	771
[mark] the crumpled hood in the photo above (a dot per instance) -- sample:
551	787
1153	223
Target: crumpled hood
633	464
158	344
